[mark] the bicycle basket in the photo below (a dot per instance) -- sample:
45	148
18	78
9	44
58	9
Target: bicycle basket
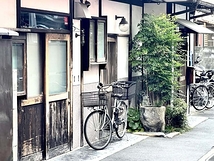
94	98
128	89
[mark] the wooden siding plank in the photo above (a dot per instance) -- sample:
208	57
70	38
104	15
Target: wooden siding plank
31	130
32	101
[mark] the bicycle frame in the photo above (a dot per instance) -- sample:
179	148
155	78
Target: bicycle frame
116	105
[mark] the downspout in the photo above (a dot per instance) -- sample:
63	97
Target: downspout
18	13
142	83
130	42
100	15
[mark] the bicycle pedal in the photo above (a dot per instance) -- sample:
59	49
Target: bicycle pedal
119	121
115	125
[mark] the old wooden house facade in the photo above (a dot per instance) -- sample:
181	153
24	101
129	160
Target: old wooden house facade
51	51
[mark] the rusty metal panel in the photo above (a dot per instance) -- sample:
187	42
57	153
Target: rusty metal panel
31	130
6	100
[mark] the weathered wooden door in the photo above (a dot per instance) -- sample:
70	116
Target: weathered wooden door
57	94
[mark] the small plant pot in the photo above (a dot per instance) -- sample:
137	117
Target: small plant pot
153	118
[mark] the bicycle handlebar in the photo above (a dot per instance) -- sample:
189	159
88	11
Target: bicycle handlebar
113	84
118	94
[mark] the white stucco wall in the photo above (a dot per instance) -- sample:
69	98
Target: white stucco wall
50	5
110	9
92	75
8	14
122	58
94	8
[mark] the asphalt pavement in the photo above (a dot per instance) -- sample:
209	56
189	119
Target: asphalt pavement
194	145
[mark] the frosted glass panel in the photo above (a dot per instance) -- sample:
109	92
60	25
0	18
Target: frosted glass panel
57	66
100	42
18	60
92	41
34	64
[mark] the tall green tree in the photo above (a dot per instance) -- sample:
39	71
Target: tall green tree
157	54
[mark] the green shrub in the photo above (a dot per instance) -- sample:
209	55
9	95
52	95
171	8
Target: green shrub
176	116
134	123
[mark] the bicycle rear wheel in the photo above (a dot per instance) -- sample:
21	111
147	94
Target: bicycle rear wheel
121	123
98	130
210	103
200	97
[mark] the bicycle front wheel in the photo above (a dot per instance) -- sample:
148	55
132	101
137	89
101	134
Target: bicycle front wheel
121	123
200	97
98	130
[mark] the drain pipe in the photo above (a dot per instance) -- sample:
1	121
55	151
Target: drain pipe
130	42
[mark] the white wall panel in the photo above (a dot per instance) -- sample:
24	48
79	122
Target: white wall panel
76	52
50	5
76	84
76	116
122	68
92	75
94	8
111	9
8	13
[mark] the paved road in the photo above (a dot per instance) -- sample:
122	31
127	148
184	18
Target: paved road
190	146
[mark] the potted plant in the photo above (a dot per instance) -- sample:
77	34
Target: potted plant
156	54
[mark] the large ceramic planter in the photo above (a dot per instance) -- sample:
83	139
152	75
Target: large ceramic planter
153	118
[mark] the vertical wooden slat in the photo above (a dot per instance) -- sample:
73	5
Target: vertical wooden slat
62	122
47	111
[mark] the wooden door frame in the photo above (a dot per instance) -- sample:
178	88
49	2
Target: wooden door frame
66	95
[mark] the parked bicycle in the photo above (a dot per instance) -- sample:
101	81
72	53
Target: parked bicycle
199	96
202	92
99	126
